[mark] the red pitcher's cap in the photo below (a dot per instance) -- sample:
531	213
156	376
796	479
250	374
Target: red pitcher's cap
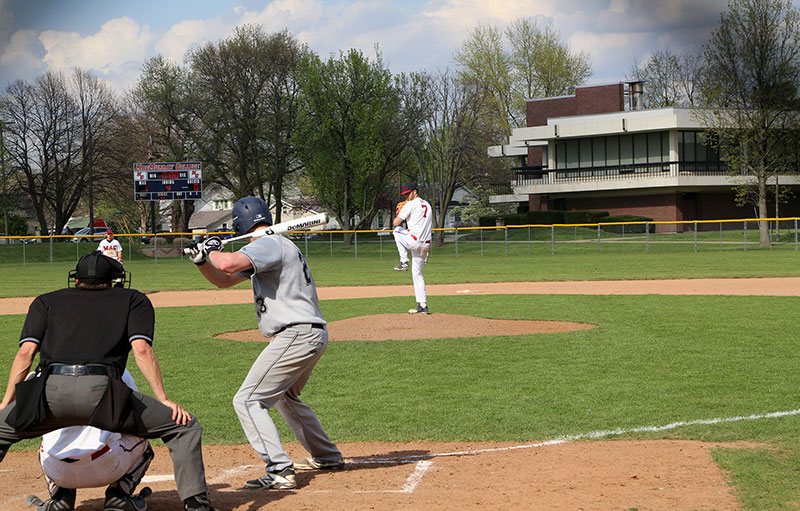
408	188
109	231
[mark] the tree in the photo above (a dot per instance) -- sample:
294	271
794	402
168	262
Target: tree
41	121
354	133
158	108
97	110
671	78
244	96
750	91
452	143
535	64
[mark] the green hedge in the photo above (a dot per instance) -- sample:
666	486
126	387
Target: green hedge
584	217
628	229
530	217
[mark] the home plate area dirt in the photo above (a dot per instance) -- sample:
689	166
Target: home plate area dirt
624	475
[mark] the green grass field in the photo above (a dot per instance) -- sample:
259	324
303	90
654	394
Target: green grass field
653	360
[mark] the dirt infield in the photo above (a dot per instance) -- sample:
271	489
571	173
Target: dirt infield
397	327
616	474
784	286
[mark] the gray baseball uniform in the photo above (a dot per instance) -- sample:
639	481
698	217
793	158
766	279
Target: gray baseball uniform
287	307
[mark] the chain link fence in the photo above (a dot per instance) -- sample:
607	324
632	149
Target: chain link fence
557	239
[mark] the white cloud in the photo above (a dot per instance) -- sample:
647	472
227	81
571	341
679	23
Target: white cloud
611	54
118	42
188	34
23	50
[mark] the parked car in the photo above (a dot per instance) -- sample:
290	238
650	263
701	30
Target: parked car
85	232
146	238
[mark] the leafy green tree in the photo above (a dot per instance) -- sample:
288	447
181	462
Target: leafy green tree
530	62
749	92
244	95
158	109
356	127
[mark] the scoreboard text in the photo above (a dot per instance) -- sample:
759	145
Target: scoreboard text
167	181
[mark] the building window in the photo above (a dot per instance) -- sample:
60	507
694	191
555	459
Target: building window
612	150
654	154
693	146
626	149
599	152
573	153
561	154
221	204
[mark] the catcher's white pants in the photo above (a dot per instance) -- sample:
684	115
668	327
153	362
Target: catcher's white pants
86	457
419	253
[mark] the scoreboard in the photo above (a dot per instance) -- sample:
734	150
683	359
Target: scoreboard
167	180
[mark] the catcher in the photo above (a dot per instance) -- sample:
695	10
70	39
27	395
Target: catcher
86	457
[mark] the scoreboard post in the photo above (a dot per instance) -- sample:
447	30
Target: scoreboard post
167	180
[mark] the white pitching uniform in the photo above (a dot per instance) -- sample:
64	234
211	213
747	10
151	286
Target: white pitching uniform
87	457
112	249
417	238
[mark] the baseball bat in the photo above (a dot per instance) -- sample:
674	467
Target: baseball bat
281	228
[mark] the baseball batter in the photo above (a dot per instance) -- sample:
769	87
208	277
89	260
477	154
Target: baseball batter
416	212
87	457
111	247
287	308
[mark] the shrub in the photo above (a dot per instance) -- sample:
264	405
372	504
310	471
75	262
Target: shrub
584	217
554	216
629	229
181	242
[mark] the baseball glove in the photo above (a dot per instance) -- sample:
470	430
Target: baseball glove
399	207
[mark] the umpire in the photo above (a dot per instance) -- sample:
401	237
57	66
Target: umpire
83	335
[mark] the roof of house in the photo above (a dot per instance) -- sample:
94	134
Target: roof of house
202	219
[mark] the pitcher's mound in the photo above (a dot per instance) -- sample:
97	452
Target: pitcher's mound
401	327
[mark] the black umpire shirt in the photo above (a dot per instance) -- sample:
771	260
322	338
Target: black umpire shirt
88	326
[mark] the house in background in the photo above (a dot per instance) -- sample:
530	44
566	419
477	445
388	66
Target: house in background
593	150
214	213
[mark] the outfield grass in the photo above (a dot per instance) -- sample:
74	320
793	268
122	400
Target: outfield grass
444	268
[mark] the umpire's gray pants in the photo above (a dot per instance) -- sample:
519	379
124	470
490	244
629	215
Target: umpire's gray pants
276	379
71	401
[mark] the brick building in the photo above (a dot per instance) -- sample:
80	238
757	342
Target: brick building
598	149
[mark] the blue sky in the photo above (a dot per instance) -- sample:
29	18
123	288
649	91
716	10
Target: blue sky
114	37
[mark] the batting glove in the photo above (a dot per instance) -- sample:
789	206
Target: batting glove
212	244
196	254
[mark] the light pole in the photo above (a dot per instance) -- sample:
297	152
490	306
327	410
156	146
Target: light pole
5	176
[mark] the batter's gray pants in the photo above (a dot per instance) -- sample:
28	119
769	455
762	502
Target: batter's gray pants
71	401
276	379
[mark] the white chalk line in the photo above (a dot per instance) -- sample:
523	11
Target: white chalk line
423	466
594	435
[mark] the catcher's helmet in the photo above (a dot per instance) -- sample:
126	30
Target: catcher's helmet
249	212
96	268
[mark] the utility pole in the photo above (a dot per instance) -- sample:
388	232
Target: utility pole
5	176
777	215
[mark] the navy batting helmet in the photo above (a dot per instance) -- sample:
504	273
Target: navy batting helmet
249	212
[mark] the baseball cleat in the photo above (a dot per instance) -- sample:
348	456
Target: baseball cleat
401	267
117	502
317	464
283	480
51	504
419	310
